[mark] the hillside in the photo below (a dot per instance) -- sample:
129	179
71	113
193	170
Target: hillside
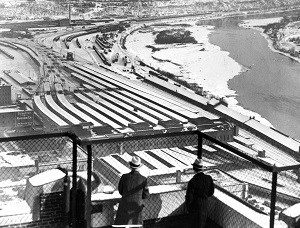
41	9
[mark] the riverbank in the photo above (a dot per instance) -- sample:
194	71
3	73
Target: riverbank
270	88
203	63
246	81
257	25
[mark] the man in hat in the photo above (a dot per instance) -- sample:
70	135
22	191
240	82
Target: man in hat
133	188
199	189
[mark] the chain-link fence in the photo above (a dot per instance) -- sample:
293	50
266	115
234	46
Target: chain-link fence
32	189
39	173
162	164
264	179
243	174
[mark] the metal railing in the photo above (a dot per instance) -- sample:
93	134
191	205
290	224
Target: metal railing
25	199
243	176
94	165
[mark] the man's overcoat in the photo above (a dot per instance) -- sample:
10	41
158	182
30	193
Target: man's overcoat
199	188
133	189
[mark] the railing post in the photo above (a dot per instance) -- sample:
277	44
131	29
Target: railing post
121	148
74	183
67	199
200	142
89	186
178	176
273	199
36	163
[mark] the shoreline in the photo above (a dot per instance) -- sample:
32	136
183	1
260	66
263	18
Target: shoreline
223	76
212	77
280	94
270	42
200	71
231	96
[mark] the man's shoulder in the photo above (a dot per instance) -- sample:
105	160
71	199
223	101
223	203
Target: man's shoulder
140	175
207	176
125	175
202	175
137	174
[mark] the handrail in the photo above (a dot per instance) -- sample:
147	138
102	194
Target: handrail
199	141
40	136
270	168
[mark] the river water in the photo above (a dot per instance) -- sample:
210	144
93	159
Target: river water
272	85
269	89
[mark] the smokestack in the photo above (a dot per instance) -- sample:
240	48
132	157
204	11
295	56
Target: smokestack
261	153
236	130
69	6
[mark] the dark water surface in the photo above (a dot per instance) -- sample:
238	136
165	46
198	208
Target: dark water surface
272	85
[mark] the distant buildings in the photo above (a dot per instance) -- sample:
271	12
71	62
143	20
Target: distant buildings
5	93
13	116
39	9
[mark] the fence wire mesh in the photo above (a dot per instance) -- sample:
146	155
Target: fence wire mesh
37	174
287	197
167	164
163	159
251	184
29	190
238	177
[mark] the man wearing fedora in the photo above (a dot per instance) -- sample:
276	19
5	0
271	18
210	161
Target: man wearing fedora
199	189
133	188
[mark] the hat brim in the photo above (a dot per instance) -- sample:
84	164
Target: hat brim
134	166
197	167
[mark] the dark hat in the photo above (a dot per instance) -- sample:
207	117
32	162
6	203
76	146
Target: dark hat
198	164
135	162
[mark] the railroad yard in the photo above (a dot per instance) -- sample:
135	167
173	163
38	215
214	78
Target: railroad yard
84	76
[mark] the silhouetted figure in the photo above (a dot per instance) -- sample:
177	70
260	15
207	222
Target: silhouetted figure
81	194
133	188
199	189
80	203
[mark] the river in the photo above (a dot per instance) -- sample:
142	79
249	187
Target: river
271	86
269	90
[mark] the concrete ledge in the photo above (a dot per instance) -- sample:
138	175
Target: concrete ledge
168	201
229	212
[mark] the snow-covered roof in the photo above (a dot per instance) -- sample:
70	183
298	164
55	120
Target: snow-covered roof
46	177
231	113
275	135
